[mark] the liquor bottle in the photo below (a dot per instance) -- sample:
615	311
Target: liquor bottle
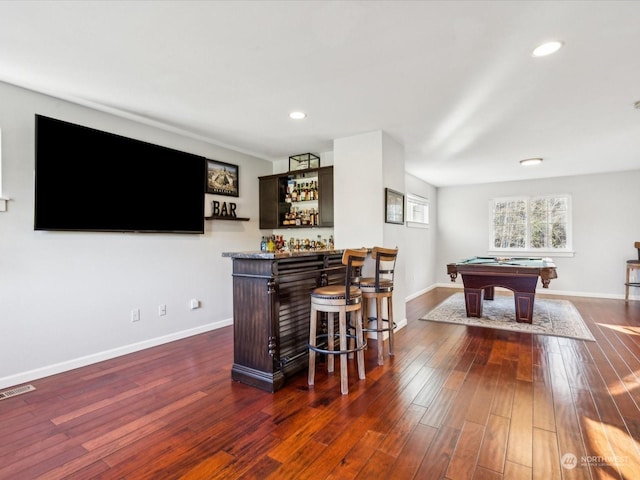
312	191
270	244
263	244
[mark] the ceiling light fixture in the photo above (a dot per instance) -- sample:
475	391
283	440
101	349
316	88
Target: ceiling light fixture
547	48
297	115
531	161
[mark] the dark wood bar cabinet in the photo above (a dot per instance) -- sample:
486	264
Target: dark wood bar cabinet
271	307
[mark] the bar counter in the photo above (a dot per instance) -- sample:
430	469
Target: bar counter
271	308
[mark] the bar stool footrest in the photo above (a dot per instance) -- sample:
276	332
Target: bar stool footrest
337	352
383	329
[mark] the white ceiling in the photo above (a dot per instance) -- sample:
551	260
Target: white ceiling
454	82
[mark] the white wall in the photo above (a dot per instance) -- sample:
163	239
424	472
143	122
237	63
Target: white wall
66	297
357	186
420	243
606	223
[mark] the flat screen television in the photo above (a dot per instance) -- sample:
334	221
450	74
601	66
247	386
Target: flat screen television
90	180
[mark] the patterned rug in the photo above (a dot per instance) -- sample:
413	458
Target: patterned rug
550	317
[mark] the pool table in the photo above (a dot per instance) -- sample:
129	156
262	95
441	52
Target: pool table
519	274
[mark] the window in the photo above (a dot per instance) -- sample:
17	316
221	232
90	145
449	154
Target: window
539	224
417	211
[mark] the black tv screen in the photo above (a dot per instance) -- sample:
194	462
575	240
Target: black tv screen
90	180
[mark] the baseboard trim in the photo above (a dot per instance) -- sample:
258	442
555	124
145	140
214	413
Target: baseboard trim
31	375
420	292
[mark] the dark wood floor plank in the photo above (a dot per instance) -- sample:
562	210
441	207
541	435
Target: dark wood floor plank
568	433
546	460
453	402
595	435
209	467
520	445
436	460
502	403
479	406
459	407
465	456
515	471
413	454
493	449
543	412
484	474
437	411
355	460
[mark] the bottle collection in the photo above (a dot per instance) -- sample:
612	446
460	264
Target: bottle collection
301	191
297	217
277	243
297	192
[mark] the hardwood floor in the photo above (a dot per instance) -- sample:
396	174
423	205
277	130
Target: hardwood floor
454	402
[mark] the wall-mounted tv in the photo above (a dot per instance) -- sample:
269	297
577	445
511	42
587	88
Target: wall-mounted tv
90	180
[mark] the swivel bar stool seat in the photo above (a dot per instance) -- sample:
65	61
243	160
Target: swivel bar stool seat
632	265
343	299
378	288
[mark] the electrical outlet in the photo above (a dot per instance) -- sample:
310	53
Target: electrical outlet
135	315
162	310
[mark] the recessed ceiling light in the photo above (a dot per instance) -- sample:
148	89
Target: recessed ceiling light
531	161
297	115
547	48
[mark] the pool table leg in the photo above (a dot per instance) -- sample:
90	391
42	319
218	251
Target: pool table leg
473	301
488	293
524	306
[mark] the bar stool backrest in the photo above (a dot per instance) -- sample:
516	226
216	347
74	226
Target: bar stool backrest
385	259
353	259
637	245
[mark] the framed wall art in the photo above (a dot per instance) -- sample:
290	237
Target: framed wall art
393	206
222	178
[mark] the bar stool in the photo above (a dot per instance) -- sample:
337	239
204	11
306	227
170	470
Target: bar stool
632	265
378	288
345	298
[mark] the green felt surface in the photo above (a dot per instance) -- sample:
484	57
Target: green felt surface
518	261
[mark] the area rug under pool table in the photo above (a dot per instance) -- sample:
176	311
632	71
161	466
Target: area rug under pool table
550	317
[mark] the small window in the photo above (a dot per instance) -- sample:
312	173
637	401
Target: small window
417	211
538	224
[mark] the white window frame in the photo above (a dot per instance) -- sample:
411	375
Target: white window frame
415	204
567	251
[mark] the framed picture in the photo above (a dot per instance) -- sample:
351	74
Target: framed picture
393	206
222	178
